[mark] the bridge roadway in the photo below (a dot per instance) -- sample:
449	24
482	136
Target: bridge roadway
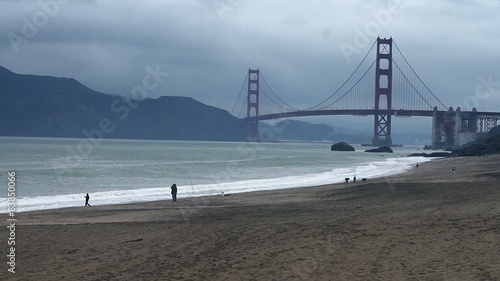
363	112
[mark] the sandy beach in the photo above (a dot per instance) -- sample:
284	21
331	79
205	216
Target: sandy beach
426	224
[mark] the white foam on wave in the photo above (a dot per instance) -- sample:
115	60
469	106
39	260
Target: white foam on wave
384	167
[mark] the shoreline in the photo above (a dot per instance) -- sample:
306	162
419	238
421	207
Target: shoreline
426	224
408	167
199	201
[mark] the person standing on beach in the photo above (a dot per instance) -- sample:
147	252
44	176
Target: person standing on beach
454	169
174	192
87	197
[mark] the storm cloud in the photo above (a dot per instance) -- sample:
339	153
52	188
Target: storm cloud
306	49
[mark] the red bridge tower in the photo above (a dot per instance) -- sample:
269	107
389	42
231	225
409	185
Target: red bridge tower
383	93
253	104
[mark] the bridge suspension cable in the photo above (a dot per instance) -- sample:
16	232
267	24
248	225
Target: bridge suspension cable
286	107
316	107
350	89
411	84
239	96
242	106
418	77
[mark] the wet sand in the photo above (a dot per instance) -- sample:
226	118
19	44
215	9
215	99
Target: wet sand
426	224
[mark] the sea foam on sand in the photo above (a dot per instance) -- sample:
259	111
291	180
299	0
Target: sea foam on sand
384	167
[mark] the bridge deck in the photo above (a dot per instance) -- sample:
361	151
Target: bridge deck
365	112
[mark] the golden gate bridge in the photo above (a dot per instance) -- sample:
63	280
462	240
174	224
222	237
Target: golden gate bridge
383	85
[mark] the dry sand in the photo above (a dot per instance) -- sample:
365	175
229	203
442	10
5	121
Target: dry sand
426	224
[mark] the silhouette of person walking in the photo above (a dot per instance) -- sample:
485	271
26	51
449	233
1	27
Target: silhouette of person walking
87	197
174	192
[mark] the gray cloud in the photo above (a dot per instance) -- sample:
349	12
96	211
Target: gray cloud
107	44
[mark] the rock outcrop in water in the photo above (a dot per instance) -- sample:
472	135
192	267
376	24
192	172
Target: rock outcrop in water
380	149
342	146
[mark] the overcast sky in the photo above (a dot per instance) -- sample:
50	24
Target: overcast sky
306	49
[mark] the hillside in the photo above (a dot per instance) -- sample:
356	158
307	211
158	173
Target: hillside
44	106
490	144
294	130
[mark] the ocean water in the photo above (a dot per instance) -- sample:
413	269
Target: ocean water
56	173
